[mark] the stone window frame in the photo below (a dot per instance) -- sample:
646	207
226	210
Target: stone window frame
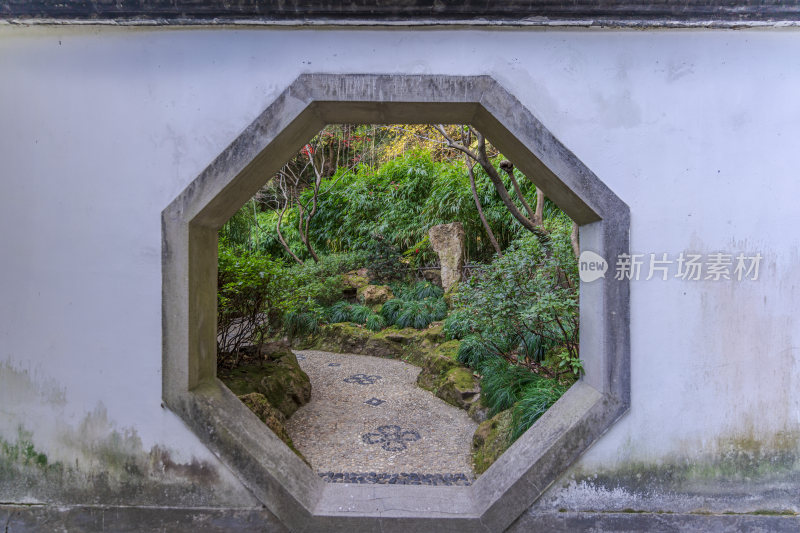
274	474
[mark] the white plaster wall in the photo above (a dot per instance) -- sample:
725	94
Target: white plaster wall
696	130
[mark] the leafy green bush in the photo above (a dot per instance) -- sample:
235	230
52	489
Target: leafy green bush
385	260
297	322
391	310
421	291
360	313
518	323
502	384
438	308
534	401
339	312
399	201
473	352
250	297
525	304
375	322
308	288
457	325
414	313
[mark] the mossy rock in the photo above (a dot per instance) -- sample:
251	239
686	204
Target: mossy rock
478	412
386	348
287	387
397	335
448	350
354	280
341	338
374	295
490	440
459	387
276	349
434	335
393	343
271	417
351	338
436	364
281	381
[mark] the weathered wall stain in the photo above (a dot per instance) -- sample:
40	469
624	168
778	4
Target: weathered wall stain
95	461
742	474
115	470
18	386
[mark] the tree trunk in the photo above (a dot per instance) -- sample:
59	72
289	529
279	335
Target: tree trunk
539	215
508	167
486	226
280	235
497	181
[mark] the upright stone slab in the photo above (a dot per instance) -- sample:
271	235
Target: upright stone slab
448	242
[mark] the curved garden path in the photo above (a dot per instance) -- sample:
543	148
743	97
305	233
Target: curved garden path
368	422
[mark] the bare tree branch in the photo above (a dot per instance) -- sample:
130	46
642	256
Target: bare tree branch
508	167
285	206
482	159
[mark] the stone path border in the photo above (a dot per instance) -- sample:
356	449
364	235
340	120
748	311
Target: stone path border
402	478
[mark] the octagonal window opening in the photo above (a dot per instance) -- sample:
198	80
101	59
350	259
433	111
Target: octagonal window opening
276	475
375	246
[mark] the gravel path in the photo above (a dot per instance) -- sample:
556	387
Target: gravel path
368	422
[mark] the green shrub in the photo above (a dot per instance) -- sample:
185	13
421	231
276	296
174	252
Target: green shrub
502	384
359	314
301	322
322	282
437	307
339	312
458	325
535	400
250	297
384	260
473	352
422	290
535	347
391	310
414	313
525	303
375	322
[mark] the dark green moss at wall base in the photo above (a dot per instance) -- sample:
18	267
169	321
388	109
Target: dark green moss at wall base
111	470
738	475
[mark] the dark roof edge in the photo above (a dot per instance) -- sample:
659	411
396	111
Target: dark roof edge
514	13
405	23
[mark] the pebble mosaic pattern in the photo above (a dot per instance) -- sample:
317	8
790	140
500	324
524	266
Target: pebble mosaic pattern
396	479
391	438
361	379
368	422
375	402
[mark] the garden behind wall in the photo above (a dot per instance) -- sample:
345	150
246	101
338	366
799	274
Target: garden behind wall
669	132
